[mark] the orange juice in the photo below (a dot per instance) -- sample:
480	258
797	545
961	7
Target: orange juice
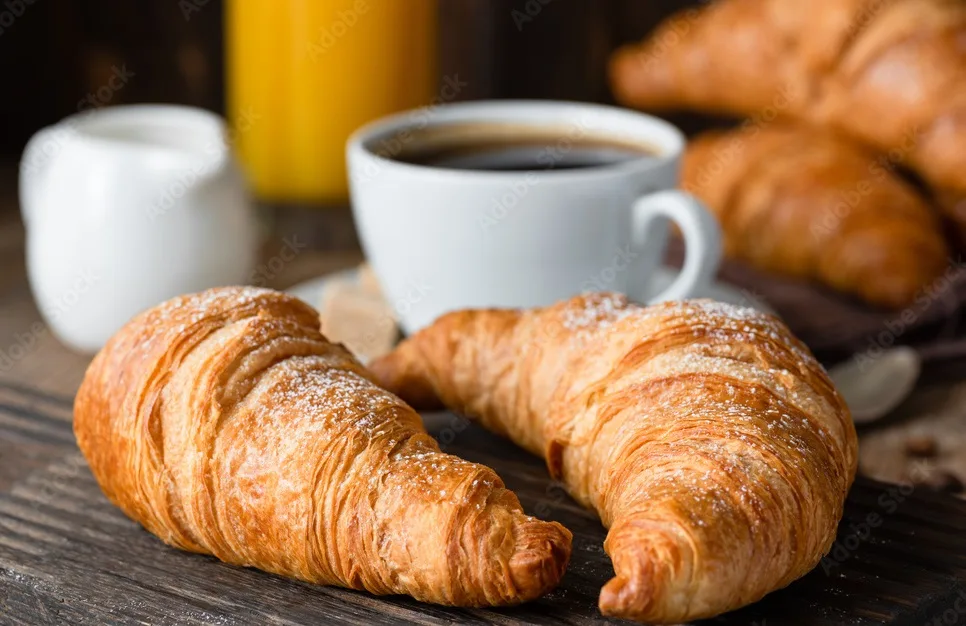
303	74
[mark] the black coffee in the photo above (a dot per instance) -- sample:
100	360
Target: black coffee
510	148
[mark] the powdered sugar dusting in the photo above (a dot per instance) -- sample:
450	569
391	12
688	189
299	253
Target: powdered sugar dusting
313	390
719	309
731	322
178	317
598	311
201	304
720	320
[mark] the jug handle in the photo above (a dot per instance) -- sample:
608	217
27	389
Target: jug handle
33	163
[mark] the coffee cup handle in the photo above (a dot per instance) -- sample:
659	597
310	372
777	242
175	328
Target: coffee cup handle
702	239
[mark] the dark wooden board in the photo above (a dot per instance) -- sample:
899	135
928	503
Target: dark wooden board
67	556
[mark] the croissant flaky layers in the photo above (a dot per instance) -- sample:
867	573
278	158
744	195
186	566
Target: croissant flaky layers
709	440
807	203
226	424
890	73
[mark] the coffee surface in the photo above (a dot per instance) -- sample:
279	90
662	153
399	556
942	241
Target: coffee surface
511	148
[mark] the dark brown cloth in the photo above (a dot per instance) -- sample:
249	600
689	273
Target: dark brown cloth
837	327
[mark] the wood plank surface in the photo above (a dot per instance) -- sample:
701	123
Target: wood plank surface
67	556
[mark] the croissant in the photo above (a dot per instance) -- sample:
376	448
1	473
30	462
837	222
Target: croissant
710	442
806	203
890	73
226	424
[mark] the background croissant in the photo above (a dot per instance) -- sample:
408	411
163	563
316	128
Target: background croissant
804	202
891	74
226	424
708	439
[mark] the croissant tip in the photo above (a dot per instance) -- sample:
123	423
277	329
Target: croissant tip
542	552
624	598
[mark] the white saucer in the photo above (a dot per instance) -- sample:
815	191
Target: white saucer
310	291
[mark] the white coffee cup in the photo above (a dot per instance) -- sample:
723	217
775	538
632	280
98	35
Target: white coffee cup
441	238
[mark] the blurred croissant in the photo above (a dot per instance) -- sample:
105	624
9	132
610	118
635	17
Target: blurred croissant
226	424
806	203
890	73
711	443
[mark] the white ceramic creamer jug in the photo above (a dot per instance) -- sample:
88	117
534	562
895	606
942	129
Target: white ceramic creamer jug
128	206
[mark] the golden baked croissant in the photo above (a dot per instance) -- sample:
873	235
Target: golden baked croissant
807	203
890	73
711	443
226	424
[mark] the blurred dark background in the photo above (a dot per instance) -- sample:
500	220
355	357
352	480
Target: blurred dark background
55	55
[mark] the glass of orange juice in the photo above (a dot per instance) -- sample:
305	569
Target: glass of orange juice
303	74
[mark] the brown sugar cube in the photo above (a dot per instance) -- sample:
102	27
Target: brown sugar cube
368	282
921	446
363	323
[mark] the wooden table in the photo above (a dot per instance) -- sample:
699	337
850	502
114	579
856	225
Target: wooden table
67	556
